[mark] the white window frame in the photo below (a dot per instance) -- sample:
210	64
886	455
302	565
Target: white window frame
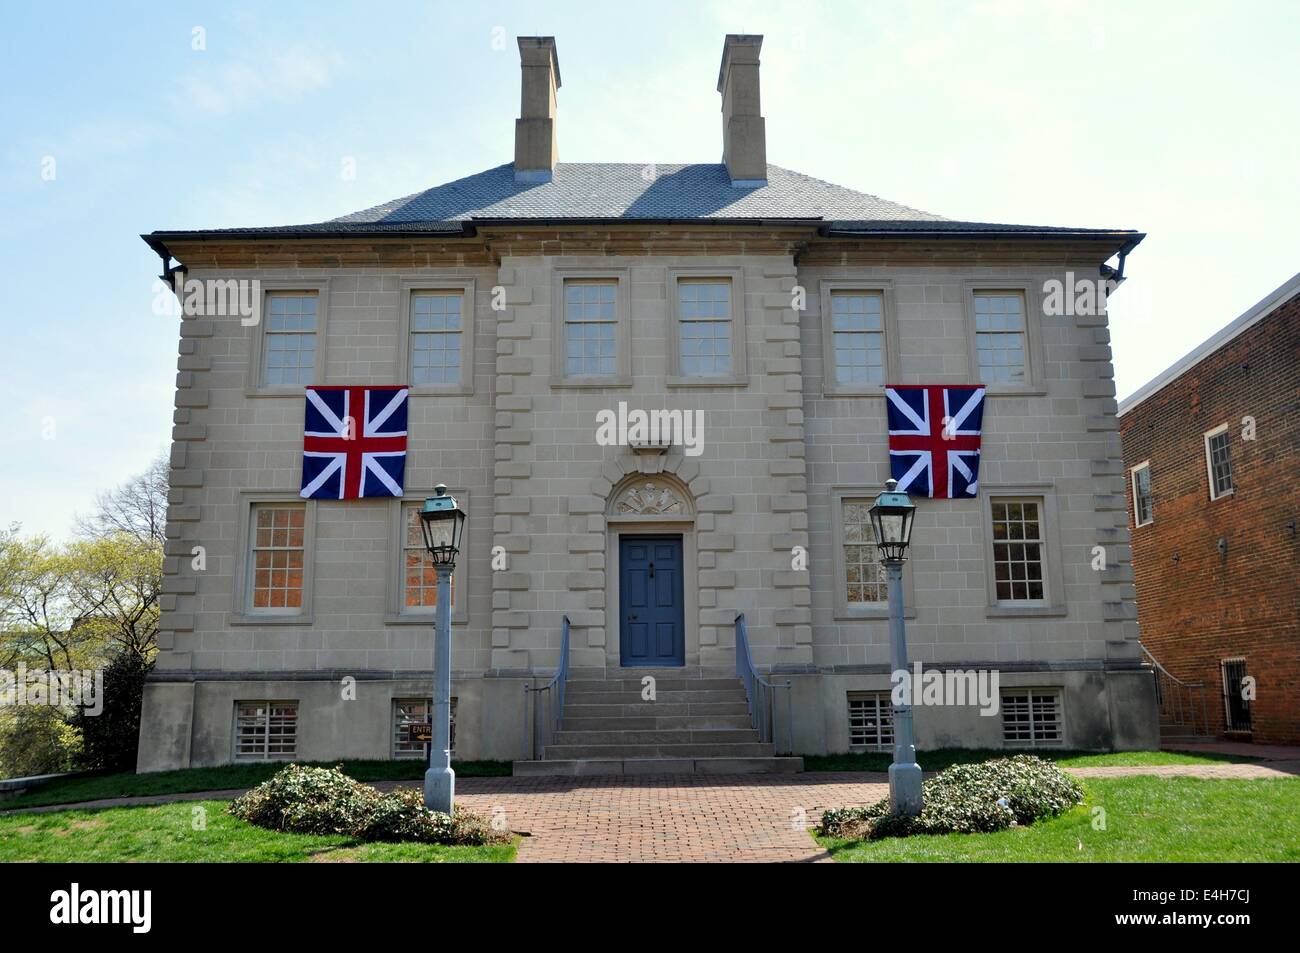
1133	486
1053	601
242	611
1028	694
739	375
320	288
846	611
622	376
439	284
882	708
827	289
265	754
1034	382
1209	462
398	613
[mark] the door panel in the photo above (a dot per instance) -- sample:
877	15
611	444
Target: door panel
652	629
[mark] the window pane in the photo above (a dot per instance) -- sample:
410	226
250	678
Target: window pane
590	329
289	340
277	556
865	581
1000	336
1017	551
704	330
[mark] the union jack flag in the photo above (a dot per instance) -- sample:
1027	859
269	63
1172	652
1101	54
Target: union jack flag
354	442
934	439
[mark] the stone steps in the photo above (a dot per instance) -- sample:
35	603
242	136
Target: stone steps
697	723
610	767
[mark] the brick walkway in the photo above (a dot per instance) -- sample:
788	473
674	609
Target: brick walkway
683	818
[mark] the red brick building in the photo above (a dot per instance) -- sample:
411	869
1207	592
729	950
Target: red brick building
1212	454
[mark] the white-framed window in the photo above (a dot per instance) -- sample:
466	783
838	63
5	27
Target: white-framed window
419	578
1018	549
1218	462
289	339
437	335
277	558
590	327
704	332
266	730
864	581
415	711
871	720
1031	716
1001	346
858	337
1143	501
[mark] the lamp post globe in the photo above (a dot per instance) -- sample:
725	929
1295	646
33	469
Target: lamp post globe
442	523
891	516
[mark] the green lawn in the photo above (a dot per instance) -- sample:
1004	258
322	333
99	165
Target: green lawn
1147	819
946	757
165	833
97	786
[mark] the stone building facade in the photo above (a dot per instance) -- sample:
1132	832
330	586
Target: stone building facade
771	305
1211	446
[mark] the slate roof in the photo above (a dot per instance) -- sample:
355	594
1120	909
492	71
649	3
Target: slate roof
629	192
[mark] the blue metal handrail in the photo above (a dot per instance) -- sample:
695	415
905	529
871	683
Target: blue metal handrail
760	692
558	684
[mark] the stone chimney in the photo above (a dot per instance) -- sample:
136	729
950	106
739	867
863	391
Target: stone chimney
535	144
744	139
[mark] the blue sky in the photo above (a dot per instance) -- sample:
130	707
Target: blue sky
1174	118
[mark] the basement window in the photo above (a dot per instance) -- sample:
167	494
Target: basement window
871	721
266	730
409	712
1031	717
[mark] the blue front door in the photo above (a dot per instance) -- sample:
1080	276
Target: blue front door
652	629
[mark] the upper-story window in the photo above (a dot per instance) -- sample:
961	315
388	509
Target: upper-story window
704	335
278	543
864	576
590	328
419	578
1000	343
1143	501
289	345
1218	462
858	329
436	337
1018	543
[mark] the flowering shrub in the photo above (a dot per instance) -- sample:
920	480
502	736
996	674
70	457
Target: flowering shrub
326	801
967	799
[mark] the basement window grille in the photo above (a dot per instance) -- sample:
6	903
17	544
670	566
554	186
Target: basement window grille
871	720
265	730
415	711
1031	717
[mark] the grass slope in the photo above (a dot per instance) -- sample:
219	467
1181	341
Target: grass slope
1147	819
946	757
166	833
98	786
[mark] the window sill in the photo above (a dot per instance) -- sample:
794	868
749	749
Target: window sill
844	614
416	618
1222	496
252	618
444	390
673	381
833	393
578	383
277	391
1003	390
1026	612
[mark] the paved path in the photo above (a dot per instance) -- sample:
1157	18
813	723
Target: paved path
687	818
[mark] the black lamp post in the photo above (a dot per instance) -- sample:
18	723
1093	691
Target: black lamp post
891	521
443	523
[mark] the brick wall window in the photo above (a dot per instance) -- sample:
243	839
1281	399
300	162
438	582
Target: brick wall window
864	582
266	730
1218	462
590	328
289	342
1000	345
1143	501
277	557
871	720
419	579
704	333
858	327
1018	544
415	711
1031	717
436	337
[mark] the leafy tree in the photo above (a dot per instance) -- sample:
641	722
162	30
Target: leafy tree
111	739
